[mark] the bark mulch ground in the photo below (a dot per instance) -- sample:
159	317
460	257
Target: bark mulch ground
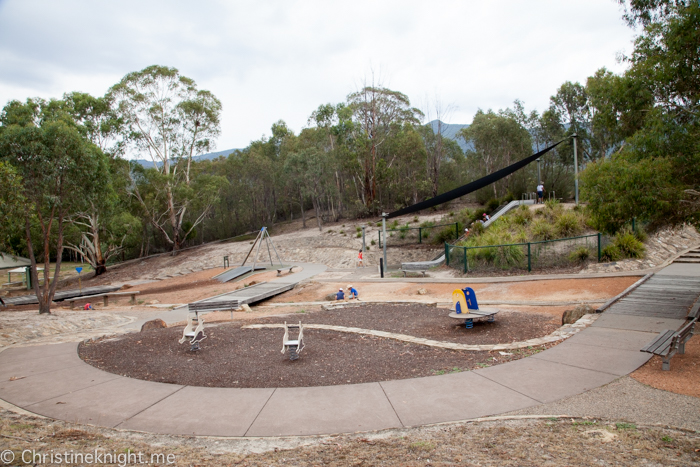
247	358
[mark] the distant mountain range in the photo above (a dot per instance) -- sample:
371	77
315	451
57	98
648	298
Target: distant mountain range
208	156
449	130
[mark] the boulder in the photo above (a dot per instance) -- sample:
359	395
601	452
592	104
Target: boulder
422	291
153	324
330	296
571	316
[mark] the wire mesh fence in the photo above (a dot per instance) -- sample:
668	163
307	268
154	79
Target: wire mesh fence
546	254
435	234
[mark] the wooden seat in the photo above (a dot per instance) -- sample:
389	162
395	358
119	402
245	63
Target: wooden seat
104	297
669	342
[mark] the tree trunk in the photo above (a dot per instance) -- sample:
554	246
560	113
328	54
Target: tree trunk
317	211
303	212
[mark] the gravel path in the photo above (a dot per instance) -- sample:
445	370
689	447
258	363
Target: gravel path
627	399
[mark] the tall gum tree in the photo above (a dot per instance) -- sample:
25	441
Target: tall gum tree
59	172
378	114
169	121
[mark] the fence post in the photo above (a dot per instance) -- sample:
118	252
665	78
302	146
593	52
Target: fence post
466	268
529	261
447	255
456	230
380	238
599	247
634	226
420	235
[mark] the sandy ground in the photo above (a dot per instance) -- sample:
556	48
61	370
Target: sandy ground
566	290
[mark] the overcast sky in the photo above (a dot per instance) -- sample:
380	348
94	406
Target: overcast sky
272	60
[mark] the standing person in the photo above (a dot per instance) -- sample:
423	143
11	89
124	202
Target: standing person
360	262
540	192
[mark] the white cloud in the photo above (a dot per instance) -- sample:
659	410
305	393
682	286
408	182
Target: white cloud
281	59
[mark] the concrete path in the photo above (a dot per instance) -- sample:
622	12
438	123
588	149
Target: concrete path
52	381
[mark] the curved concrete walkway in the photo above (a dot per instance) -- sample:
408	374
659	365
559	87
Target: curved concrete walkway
51	380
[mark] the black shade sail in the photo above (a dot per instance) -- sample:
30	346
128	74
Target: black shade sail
472	186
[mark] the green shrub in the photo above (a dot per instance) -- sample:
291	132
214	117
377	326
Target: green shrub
359	235
610	253
415	219
404	231
629	246
477	229
509	256
394	224
379	224
492	204
569	224
542	229
446	234
372	242
580	255
641	235
358	229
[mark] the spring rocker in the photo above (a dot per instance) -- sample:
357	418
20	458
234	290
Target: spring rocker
467	308
194	331
294	346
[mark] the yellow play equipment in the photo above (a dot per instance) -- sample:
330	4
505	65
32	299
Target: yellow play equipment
464	300
466	307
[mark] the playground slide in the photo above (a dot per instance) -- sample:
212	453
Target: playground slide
420	265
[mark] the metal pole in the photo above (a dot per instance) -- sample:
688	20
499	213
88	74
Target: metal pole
273	247
364	248
539	175
420	237
575	136
257	252
384	231
599	247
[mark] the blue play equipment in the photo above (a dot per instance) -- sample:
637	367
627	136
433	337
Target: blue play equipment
465	304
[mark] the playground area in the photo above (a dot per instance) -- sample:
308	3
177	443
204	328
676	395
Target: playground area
242	353
330	357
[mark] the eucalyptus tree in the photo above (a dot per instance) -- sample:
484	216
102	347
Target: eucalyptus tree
655	106
378	114
498	140
59	172
168	120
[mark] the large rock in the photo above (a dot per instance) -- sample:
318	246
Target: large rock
571	316
153	324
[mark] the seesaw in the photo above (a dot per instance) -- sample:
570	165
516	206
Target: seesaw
467	308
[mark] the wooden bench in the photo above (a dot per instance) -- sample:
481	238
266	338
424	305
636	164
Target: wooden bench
411	267
207	307
104	297
279	271
668	343
694	312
